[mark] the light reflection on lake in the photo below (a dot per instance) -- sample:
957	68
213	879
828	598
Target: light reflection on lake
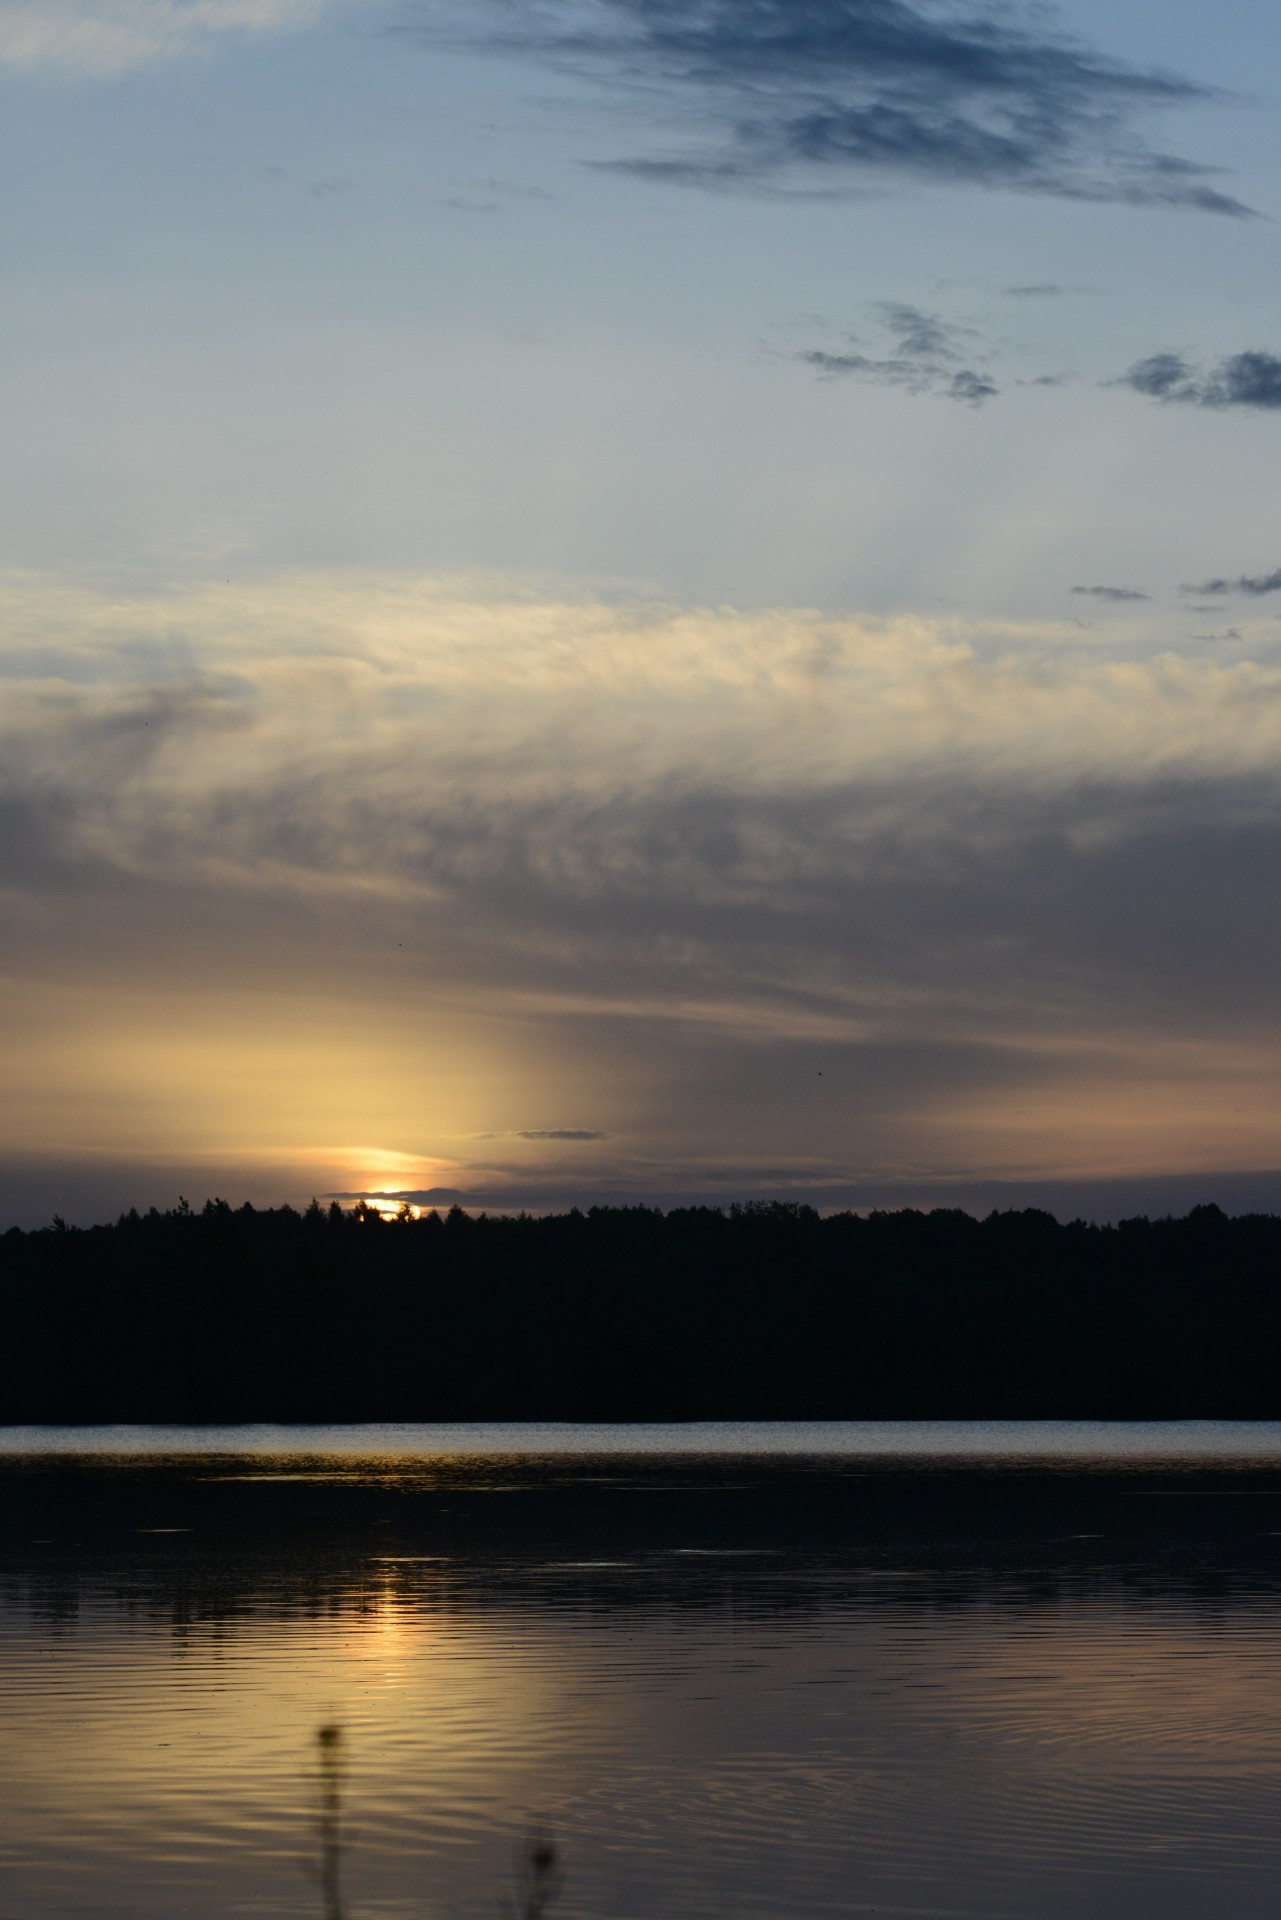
919	1670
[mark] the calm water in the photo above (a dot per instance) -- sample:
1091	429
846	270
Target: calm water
1009	1670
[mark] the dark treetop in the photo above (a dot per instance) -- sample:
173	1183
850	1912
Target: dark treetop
764	1311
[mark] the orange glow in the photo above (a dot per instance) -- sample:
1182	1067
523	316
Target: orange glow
258	1078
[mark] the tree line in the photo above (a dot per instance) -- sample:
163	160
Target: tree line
758	1311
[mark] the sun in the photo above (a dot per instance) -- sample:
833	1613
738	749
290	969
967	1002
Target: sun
381	1175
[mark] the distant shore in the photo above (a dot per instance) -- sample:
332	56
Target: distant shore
763	1311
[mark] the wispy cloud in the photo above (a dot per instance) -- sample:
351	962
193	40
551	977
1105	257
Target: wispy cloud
927	355
1045	290
108	36
560	1133
1111	593
1255	584
826	91
389	731
657	864
413	1196
1247	380
547	1133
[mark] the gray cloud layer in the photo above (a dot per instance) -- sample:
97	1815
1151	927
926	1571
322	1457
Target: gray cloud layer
1111	593
1012	894
827	90
1248	380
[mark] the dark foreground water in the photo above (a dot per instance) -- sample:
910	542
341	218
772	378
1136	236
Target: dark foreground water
1017	1670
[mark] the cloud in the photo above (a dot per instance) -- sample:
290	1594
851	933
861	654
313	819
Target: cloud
1256	584
926	357
1112	593
105	37
970	386
1045	290
379	731
775	897
414	1196
1162	376
820	92
560	1133
1251	380
90	1191
548	1133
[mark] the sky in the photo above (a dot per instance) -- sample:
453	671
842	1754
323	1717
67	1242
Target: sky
640	600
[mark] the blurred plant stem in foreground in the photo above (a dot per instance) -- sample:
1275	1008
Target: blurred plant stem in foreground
538	1875
329	1821
537	1872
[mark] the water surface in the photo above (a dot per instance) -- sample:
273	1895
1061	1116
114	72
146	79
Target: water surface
785	1671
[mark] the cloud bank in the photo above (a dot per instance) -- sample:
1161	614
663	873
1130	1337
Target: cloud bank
820	92
362	711
781	901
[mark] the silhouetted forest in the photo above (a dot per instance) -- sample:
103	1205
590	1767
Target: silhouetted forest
764	1311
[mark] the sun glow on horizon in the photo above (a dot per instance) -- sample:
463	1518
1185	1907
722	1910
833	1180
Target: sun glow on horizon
438	908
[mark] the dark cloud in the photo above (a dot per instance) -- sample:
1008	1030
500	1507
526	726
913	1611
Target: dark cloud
1252	583
970	386
797	90
1246	380
89	1191
925	356
548	1133
560	1133
414	1196
1044	290
1112	593
923	336
1156	1195
1251	379
1162	376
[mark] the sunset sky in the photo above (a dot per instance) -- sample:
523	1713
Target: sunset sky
640	599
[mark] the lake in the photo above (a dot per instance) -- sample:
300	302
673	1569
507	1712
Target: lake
912	1668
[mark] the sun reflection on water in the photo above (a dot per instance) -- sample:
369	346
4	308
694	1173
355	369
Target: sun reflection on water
711	1718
